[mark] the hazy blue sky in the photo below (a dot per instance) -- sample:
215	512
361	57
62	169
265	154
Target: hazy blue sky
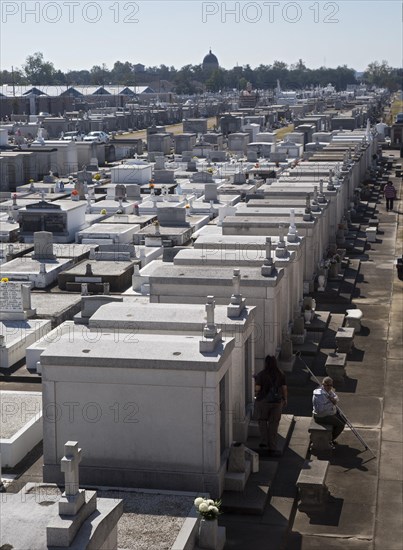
77	34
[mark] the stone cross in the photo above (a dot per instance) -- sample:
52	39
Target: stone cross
281	233
236	298
268	250
210	312
236	281
69	466
267	269
292	230
330	186
308	203
10	218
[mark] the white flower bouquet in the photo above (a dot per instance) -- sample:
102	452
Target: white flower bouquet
209	509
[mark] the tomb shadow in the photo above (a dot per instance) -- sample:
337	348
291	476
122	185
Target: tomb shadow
294	541
365	331
329	515
356	355
348	457
349	385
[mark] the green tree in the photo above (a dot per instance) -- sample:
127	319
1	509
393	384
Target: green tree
38	71
122	73
12	77
382	75
99	75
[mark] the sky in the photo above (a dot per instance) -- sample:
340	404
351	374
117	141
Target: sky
77	34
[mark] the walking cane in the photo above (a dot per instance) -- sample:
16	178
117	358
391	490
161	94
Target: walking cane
341	413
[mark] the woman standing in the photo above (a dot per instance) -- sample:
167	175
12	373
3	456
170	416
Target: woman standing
270	396
390	195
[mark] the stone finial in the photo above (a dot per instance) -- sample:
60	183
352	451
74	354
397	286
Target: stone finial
69	466
42	268
237	303
92	254
106	289
10	218
315	205
281	250
321	197
89	207
236	283
268	266
211	335
330	185
210	326
84	289
281	234
88	270
292	235
308	203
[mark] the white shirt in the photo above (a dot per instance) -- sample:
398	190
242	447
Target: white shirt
322	406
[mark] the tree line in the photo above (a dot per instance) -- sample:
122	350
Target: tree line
192	79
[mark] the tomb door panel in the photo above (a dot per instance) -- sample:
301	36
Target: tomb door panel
248	372
30	224
223	415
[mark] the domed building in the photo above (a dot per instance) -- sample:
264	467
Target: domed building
210	62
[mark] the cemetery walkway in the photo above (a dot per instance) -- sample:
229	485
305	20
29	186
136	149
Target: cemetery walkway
365	506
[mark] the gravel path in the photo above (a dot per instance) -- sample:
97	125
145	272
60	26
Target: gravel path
150	521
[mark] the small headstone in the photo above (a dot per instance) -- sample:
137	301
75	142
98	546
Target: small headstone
239	178
79	187
49	178
84	177
133	191
159	162
84	289
236	458
210	192
120	192
286	348
15	301
43	246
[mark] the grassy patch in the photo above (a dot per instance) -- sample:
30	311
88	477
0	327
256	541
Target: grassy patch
284	131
